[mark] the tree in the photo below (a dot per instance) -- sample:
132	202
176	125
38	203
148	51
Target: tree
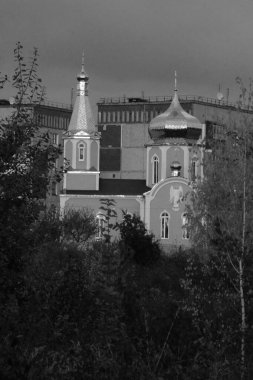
78	225
222	214
134	235
26	157
108	209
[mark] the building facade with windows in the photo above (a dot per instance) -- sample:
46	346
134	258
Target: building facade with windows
148	167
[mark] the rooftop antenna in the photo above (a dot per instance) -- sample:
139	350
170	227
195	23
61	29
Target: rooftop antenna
220	95
71	97
227	94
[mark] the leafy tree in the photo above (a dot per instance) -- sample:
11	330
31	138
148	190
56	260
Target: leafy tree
26	158
134	235
78	225
108	208
221	220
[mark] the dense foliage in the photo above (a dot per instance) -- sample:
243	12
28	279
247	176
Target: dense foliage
141	244
75	308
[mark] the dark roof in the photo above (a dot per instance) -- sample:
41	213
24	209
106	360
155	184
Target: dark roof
116	187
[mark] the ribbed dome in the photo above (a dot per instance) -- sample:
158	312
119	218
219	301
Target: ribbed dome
173	119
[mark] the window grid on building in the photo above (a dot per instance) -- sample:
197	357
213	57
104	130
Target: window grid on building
55	138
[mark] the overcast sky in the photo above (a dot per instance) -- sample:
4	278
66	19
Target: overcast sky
132	45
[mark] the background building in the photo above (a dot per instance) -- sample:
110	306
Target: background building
52	118
123	124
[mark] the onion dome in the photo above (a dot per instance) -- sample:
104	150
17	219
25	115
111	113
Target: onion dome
173	120
82	118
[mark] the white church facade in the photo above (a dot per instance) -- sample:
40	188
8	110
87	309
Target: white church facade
173	164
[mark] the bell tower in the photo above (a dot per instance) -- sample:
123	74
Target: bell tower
176	147
81	142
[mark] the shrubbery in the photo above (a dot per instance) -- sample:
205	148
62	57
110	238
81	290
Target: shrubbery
134	235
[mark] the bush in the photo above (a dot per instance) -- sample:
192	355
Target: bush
135	236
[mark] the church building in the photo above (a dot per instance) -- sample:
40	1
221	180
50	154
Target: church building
171	155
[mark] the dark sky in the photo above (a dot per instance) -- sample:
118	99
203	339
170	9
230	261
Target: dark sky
132	45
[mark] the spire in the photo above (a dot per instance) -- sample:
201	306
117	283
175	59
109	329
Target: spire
82	75
82	118
175	99
175	85
82	63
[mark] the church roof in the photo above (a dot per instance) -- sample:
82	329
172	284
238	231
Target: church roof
116	187
175	118
82	118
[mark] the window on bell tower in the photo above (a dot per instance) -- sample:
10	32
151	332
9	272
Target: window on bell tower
155	169
175	169
81	152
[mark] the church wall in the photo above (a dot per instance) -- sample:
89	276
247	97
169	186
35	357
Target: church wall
68	150
79	181
94	156
128	204
165	200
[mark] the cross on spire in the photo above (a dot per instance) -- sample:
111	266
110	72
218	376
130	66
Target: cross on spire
175	85
82	70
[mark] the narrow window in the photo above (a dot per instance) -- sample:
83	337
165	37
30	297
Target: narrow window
54	188
165	225
185	227
155	167
81	152
194	171
100	220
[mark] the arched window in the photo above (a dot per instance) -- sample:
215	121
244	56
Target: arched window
165	218
194	170
155	167
175	169
100	221
185	226
81	152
